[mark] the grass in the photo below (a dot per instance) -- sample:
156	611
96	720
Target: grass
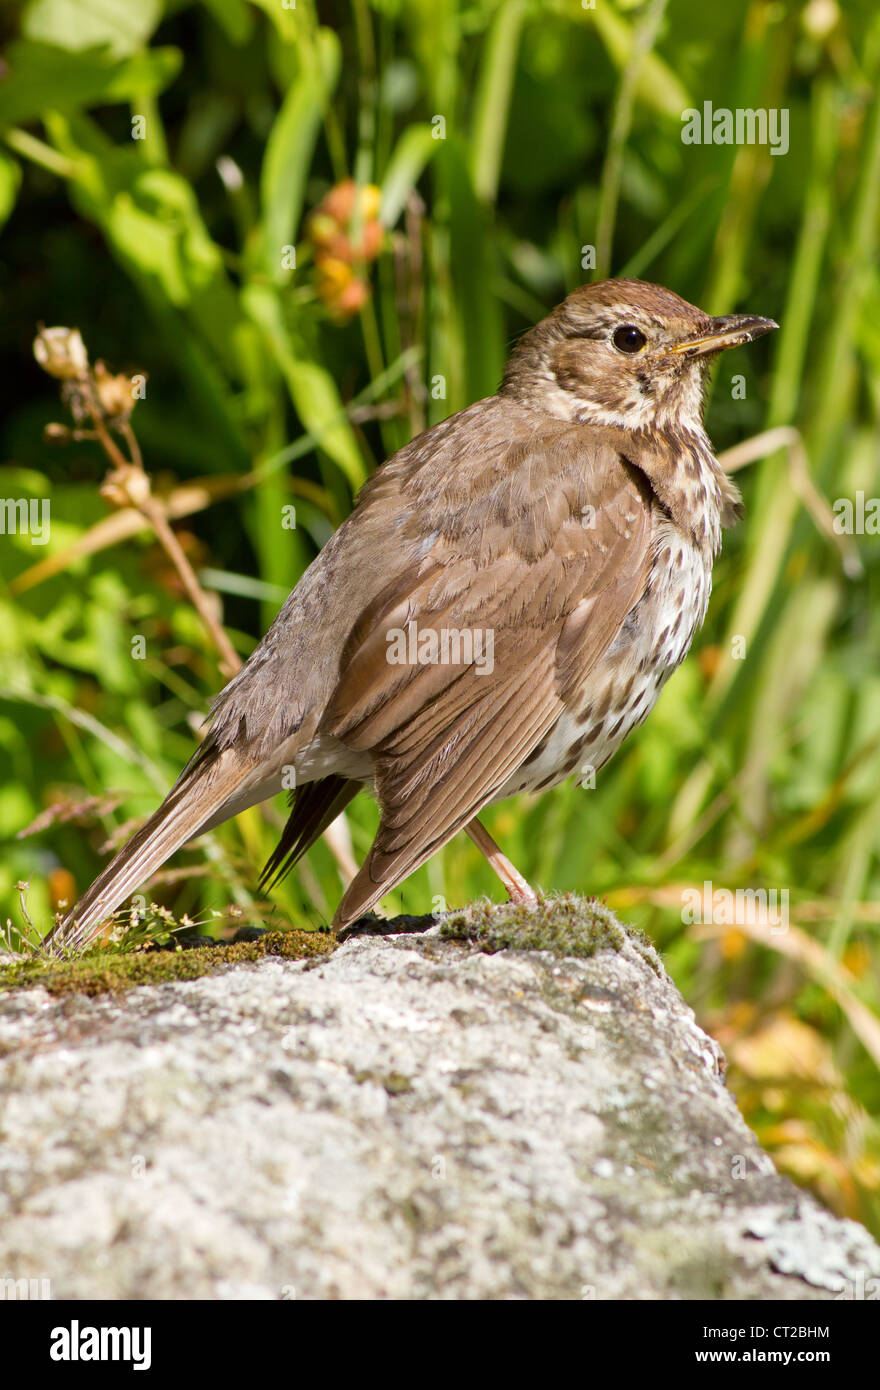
761	765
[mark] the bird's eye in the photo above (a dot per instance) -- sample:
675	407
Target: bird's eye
628	338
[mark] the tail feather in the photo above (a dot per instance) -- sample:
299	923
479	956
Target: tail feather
314	806
195	799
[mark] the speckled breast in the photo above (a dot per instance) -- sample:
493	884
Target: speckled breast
623	686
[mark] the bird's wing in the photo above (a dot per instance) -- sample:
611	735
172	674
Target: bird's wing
546	570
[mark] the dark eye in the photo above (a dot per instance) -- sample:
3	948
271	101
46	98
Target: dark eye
628	338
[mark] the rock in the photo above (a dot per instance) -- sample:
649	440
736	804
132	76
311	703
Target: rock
509	1104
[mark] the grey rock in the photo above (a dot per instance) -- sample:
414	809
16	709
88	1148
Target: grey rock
410	1117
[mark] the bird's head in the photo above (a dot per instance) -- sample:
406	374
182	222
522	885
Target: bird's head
624	353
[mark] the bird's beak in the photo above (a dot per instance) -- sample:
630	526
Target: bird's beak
730	330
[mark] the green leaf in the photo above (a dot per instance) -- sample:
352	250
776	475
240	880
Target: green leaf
657	86
283	16
494	87
405	167
41	77
153	222
10	178
319	406
474	265
234	18
80	24
291	145
312	388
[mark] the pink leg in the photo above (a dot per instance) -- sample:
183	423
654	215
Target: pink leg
518	890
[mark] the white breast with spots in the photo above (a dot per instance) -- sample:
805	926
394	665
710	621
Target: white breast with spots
623	686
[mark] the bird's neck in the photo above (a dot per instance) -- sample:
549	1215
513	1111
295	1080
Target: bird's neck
672	449
685	477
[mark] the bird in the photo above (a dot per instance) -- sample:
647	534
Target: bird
501	608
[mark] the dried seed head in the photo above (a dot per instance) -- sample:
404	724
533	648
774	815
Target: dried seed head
114	394
57	434
126	487
61	352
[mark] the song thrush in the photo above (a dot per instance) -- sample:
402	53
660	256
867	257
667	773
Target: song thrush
501	608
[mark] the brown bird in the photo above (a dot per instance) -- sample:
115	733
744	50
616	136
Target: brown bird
502	607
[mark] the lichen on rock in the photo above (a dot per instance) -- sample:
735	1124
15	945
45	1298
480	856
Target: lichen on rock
509	1104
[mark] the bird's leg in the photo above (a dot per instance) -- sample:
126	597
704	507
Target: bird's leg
518	890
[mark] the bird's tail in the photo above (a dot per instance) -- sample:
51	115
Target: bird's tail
195	799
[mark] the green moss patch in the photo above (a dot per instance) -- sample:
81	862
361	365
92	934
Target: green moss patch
394	1082
567	926
105	971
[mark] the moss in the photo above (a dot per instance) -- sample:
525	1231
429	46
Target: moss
105	971
567	926
394	1082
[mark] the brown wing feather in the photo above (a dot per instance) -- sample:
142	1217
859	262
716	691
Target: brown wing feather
554	587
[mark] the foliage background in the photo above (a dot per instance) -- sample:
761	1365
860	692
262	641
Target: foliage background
166	252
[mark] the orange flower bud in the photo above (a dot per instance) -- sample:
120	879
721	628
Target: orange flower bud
333	276
353	298
339	202
62	888
322	228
